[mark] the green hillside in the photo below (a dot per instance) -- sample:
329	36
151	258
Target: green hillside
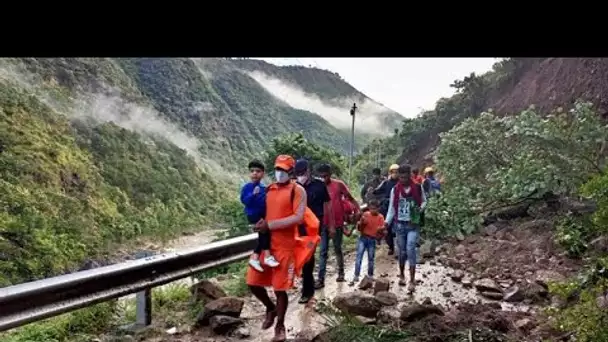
99	153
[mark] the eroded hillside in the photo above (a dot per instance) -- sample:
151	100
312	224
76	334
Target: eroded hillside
514	84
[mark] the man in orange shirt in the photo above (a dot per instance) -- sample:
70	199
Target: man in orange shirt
371	228
285	208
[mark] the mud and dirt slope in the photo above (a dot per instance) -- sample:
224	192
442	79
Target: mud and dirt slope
553	82
512	86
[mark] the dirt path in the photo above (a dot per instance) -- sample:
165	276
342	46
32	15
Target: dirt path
301	320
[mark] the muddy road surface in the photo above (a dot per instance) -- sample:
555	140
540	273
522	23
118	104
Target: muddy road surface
303	322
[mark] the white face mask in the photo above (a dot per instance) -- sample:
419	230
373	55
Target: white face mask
302	179
281	176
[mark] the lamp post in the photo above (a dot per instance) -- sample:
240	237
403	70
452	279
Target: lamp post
353	110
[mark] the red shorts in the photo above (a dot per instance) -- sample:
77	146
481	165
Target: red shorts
280	277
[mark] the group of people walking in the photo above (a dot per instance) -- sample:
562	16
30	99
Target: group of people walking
279	213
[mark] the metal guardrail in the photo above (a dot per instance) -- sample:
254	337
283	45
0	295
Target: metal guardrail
29	302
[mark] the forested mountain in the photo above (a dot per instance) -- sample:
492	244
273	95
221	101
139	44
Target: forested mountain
98	152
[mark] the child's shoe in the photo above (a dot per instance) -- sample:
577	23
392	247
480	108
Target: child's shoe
255	263
271	261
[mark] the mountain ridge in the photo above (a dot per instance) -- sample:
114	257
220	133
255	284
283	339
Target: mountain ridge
97	154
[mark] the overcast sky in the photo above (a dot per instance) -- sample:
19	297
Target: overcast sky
405	85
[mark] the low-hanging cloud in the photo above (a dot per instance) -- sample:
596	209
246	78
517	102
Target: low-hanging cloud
111	107
337	113
134	117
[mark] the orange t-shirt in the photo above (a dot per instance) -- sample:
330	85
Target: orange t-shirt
418	179
370	224
280	208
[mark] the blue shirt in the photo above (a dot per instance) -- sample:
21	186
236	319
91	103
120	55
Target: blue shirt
255	205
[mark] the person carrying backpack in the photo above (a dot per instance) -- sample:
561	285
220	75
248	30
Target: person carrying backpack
368	189
286	211
318	201
431	185
383	193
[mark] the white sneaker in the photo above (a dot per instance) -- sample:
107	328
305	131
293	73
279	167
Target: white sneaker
271	261
255	263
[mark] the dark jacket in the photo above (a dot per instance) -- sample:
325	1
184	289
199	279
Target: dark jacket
383	191
373	183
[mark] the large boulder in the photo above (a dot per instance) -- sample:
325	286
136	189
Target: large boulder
357	304
389	314
419	311
428	249
487	285
514	294
381	285
221	324
227	306
386	298
207	290
544	277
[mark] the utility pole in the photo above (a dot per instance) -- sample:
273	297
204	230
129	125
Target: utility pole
352	142
378	153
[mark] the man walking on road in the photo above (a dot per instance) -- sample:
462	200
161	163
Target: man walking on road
407	203
285	208
333	226
318	201
370	186
384	193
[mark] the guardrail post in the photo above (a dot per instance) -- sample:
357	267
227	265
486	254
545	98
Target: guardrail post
143	300
143	312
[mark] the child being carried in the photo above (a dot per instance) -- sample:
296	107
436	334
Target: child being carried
253	196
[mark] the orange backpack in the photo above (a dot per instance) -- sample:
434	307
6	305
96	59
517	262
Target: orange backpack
305	245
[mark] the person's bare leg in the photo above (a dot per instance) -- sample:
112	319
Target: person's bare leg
271	310
279	329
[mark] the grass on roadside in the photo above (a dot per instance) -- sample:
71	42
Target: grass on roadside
170	306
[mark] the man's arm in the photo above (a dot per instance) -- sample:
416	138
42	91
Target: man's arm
349	196
380	189
247	195
328	211
391	209
423	195
299	207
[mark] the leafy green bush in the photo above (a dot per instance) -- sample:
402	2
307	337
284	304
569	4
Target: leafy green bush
493	162
574	233
597	189
584	315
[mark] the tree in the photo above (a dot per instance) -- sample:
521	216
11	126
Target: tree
493	162
297	146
